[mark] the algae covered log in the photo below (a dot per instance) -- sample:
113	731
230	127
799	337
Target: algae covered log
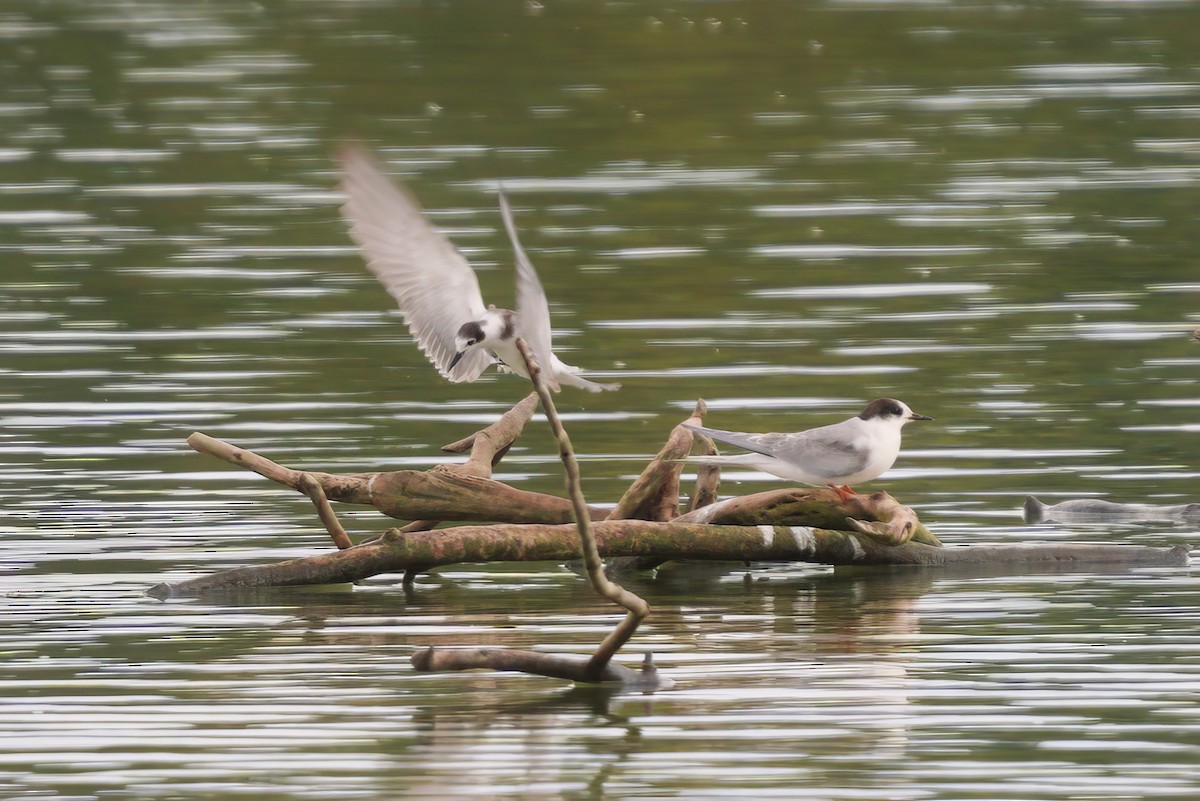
397	551
819	508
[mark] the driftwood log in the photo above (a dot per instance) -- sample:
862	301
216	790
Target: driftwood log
446	492
645	528
397	551
647	524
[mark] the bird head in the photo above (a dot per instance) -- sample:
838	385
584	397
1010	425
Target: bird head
470	336
891	411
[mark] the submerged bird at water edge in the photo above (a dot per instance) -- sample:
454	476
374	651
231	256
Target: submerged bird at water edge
838	455
436	288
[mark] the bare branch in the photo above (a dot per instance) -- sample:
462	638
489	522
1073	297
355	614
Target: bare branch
489	445
555	666
447	492
312	488
708	476
637	609
654	495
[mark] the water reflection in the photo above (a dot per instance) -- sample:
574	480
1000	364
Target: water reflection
984	209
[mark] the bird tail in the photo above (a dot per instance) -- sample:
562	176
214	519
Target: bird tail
573	380
569	374
747	459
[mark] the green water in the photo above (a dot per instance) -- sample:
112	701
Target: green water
787	209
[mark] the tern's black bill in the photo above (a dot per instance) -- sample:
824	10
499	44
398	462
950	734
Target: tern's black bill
457	357
915	416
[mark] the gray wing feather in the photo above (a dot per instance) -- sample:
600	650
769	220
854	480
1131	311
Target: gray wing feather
748	441
533	310
432	283
821	451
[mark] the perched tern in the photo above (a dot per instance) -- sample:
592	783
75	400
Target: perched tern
437	290
838	455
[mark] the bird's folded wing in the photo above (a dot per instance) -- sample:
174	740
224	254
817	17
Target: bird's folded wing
533	311
823	455
824	452
750	442
433	284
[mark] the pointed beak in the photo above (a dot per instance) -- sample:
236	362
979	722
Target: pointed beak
457	358
915	416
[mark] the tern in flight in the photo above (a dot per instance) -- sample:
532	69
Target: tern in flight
436	288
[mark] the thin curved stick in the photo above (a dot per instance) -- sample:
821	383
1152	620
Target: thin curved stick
636	607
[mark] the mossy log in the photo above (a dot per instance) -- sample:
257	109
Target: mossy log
396	551
798	524
877	514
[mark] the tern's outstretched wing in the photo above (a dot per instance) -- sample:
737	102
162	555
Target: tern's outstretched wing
533	311
433	284
830	451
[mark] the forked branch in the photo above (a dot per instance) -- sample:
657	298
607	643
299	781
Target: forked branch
447	492
596	668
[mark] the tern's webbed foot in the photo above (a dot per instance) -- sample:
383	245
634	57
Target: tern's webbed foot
844	492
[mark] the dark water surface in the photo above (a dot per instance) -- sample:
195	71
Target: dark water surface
987	210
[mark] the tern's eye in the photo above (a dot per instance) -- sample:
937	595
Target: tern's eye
470	342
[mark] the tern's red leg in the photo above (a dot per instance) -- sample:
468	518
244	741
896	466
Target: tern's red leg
844	492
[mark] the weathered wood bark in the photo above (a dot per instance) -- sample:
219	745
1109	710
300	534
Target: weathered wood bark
674	540
821	508
489	445
654	495
316	493
440	494
877	515
445	493
708	476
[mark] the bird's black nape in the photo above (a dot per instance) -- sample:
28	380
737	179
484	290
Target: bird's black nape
882	407
471	331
